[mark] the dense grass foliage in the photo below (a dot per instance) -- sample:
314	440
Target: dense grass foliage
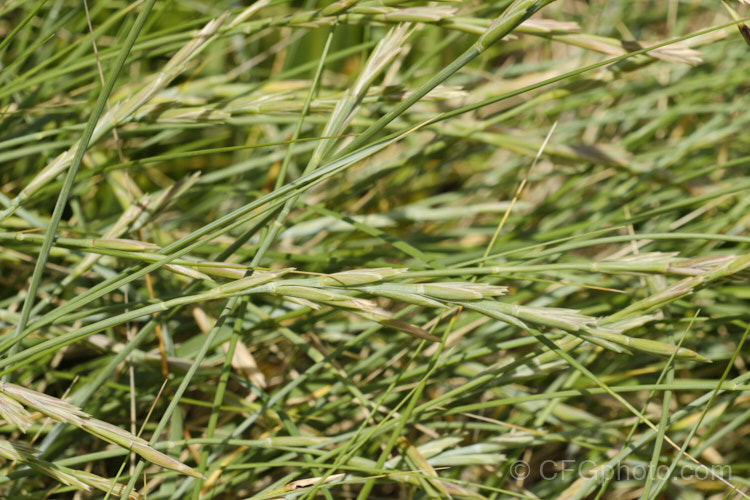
374	249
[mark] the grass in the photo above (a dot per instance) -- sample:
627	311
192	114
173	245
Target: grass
368	249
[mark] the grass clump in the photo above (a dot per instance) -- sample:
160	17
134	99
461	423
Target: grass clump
364	249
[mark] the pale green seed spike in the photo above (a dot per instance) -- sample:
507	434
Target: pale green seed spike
13	413
357	276
565	319
16	451
669	294
439	445
569	320
64	412
47	405
494	310
309	293
431	14
123	244
104	484
447	291
258	278
353	303
647	345
397	292
187	114
739	265
165	461
186	271
460	291
62	474
597	340
654	262
372	10
124	439
26	455
630	323
699	265
338	7
222	269
274	441
303	302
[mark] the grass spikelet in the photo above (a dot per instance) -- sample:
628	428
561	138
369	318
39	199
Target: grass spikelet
14	414
123	244
358	276
26	455
64	412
